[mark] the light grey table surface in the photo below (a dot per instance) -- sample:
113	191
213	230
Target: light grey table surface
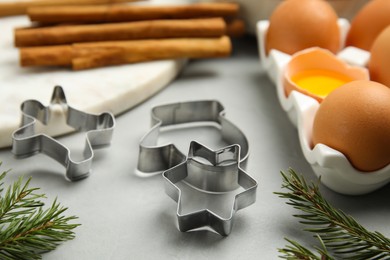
125	216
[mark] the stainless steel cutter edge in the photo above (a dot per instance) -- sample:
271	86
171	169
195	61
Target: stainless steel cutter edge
25	142
206	217
155	158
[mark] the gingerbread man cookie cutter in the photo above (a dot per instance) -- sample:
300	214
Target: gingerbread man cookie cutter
26	142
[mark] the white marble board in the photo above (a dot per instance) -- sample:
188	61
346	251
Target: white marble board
115	89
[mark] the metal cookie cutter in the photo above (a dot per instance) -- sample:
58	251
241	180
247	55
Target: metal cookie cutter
222	174
25	142
154	158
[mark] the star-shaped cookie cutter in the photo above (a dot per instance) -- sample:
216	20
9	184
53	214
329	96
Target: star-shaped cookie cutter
155	158
26	142
221	174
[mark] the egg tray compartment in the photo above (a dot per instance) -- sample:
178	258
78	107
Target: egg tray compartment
335	170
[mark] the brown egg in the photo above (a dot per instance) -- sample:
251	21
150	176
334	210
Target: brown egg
299	24
355	120
368	24
379	63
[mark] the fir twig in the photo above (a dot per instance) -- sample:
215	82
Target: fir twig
297	251
26	229
338	232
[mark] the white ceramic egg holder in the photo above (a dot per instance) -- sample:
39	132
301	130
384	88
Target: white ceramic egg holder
335	170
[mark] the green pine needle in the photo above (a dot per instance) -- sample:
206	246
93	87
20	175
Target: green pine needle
336	231
296	251
27	229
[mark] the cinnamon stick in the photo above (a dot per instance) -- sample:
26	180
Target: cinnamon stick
235	28
46	56
155	29
92	55
122	13
21	6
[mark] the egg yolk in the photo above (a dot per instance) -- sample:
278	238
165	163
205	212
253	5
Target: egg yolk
320	82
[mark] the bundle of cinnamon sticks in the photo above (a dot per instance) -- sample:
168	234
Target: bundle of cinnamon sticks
85	37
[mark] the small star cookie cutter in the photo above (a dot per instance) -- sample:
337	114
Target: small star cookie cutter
26	142
221	174
155	158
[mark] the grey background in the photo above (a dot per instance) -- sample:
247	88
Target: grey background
126	216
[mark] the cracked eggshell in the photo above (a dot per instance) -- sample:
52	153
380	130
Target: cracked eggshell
276	60
318	59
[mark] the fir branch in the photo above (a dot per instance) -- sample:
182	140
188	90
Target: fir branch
297	251
338	232
26	229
